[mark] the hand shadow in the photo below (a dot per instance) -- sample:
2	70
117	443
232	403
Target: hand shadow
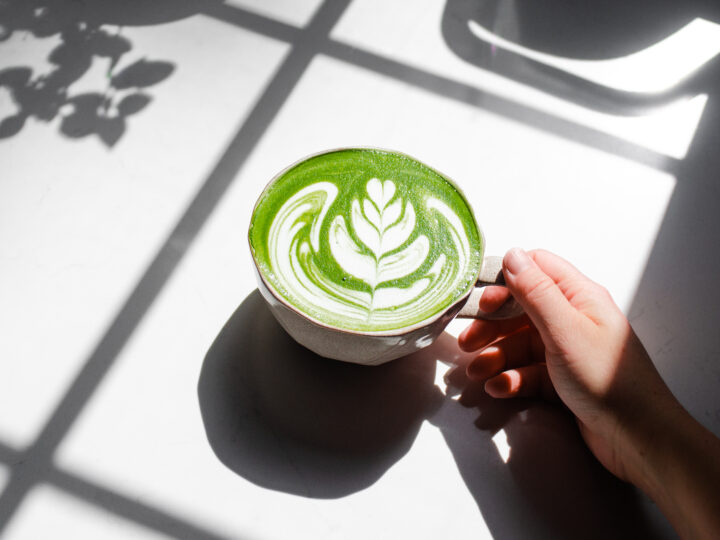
549	485
284	418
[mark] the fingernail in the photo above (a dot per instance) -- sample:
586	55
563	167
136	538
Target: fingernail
463	337
516	260
476	336
486	364
478	371
497	387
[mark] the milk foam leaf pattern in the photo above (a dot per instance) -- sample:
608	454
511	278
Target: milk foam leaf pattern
369	252
379	225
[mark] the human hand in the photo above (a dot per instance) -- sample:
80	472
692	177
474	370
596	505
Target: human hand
574	344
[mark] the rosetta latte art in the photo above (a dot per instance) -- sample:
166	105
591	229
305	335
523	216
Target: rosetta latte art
365	240
392	272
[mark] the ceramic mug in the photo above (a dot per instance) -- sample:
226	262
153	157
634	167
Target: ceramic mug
378	347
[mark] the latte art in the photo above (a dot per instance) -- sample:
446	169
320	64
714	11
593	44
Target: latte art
367	251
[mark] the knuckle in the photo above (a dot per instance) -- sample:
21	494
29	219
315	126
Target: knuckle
538	289
602	291
603	295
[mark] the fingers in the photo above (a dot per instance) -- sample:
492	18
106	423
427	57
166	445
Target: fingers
490	361
584	294
512	367
526	381
482	333
513	351
558	269
493	297
538	293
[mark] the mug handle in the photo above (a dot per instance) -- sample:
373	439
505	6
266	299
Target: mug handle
490	274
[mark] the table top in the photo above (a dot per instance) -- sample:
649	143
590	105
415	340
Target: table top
146	390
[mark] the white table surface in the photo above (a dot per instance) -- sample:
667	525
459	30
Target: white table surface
145	390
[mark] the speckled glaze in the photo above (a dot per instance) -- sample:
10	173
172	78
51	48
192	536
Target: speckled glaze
351	346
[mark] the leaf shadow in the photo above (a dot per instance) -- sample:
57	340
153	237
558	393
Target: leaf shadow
84	39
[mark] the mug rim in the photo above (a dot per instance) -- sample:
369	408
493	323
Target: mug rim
373	333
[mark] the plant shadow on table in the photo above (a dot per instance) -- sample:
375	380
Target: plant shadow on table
87	33
286	419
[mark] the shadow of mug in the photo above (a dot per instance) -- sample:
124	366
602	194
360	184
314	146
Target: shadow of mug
287	419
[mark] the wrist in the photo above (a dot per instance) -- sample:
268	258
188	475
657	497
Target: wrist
651	448
676	462
644	423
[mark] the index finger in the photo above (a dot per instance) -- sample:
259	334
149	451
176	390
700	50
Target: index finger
583	293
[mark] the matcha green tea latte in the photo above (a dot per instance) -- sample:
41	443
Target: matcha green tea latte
366	240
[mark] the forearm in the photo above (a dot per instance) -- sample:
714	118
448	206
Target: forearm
681	473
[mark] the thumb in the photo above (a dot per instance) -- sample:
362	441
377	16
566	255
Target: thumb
538	294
